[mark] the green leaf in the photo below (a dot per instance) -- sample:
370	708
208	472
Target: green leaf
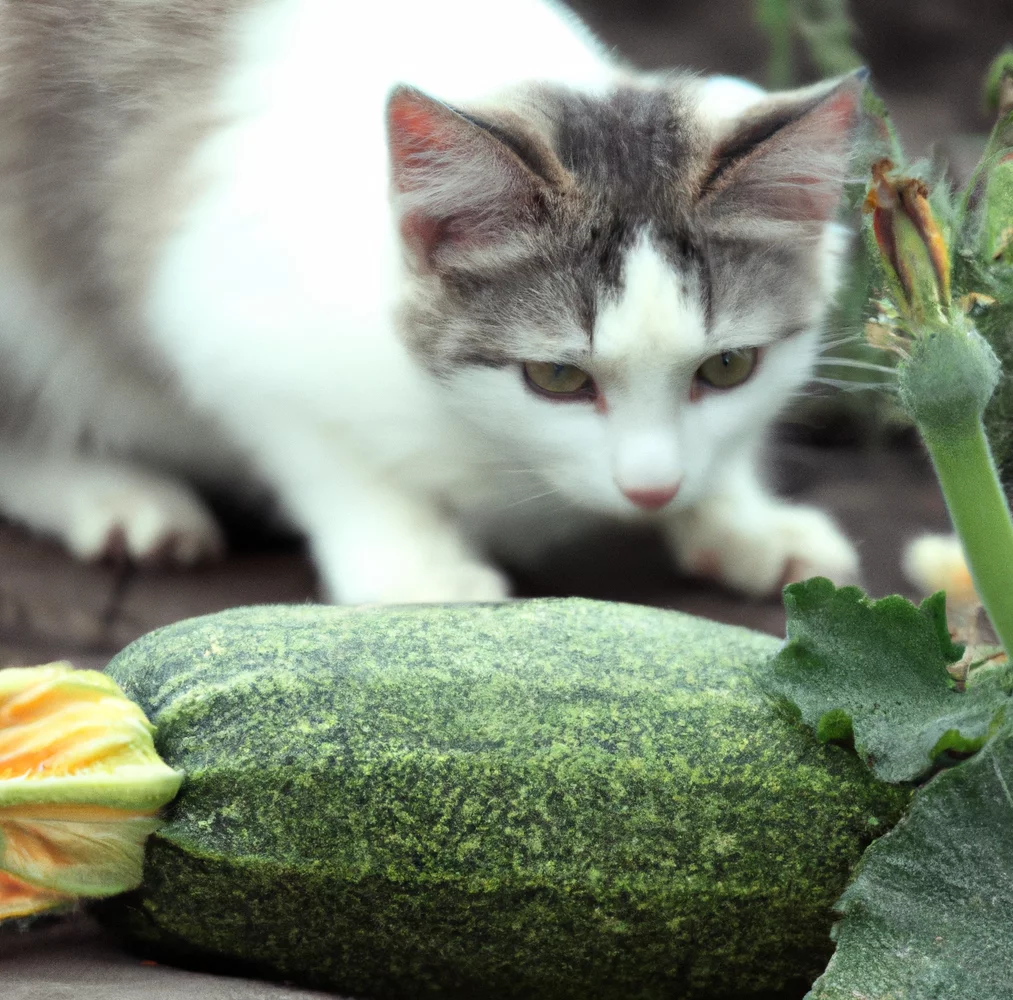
927	917
875	671
983	202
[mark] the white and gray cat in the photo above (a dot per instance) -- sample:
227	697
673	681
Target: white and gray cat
237	246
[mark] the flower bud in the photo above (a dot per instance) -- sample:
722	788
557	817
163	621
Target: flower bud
910	243
80	788
948	378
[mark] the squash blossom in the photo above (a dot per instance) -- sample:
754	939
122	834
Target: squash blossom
80	788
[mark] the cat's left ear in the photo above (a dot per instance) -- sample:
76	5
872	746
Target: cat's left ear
460	191
786	160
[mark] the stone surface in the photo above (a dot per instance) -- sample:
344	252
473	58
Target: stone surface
76	959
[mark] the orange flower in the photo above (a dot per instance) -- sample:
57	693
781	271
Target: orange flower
80	788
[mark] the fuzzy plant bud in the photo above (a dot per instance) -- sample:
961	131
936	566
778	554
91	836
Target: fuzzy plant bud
80	788
911	245
948	378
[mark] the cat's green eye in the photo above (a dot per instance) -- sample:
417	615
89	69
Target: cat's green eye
728	369
558	380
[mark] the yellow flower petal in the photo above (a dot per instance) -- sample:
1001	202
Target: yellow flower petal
80	787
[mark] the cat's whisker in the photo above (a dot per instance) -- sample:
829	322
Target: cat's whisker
494	463
856	337
822	390
850	386
529	499
870	366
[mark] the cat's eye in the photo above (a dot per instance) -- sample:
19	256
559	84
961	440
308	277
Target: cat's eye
728	369
563	381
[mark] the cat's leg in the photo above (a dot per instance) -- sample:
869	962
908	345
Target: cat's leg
389	548
100	508
753	542
372	540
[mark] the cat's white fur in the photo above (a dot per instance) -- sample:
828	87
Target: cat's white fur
273	300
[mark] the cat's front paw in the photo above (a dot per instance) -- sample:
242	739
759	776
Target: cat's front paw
141	518
466	581
421	582
757	551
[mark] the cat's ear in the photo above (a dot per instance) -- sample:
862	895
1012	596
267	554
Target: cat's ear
786	160
459	190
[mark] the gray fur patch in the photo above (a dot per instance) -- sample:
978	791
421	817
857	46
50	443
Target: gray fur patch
102	103
103	100
637	160
632	162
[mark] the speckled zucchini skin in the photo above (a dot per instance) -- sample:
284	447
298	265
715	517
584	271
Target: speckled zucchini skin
548	799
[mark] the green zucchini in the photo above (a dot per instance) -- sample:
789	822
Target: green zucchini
543	799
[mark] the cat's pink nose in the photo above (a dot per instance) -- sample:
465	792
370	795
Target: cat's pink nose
652	499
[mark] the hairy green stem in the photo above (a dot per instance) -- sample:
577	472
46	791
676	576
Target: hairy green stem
945	384
977	506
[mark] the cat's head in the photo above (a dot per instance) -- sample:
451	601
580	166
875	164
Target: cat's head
622	289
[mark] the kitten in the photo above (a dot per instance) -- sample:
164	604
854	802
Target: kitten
446	278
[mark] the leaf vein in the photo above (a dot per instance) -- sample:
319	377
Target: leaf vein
1002	780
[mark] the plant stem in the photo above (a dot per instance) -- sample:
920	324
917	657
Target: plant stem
977	505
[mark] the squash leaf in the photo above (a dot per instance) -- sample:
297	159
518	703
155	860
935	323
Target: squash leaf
875	671
927	916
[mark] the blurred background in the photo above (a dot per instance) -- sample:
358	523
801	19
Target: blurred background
847	452
927	57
